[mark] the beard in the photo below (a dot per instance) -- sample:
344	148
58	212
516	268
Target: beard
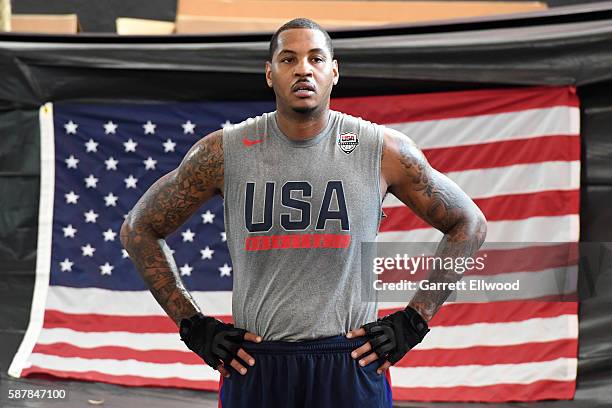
304	110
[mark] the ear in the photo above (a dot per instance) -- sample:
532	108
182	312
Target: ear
269	74
336	71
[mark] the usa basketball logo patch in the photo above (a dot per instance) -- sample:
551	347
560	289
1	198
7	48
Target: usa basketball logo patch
348	142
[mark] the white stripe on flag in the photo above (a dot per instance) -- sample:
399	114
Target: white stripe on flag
559	120
562	369
502	334
142	303
449	337
125	367
563	228
135	341
515	179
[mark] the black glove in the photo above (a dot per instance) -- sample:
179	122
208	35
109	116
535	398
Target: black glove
394	335
211	339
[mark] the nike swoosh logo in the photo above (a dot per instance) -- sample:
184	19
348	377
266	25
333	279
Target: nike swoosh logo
248	142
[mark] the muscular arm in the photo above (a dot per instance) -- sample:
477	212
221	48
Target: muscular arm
437	200
168	203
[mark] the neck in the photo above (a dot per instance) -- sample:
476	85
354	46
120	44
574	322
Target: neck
301	126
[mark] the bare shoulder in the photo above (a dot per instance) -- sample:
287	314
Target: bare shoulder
400	157
430	194
202	166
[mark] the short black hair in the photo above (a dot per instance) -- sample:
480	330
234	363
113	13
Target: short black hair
299	23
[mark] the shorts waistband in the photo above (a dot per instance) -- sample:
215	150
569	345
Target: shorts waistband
335	344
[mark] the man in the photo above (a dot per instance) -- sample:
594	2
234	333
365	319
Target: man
303	187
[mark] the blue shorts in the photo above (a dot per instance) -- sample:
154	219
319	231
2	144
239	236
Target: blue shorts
310	374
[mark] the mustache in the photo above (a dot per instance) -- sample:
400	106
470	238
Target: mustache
303	83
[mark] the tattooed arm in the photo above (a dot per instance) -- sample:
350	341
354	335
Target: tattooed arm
437	200
168	203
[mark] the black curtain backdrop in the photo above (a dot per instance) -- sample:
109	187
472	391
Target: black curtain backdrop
559	47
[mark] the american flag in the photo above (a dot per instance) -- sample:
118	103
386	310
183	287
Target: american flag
516	152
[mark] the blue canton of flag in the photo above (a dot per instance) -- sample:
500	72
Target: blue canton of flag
107	156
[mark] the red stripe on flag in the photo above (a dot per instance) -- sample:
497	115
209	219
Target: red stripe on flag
132	380
498	208
491	355
504	153
119	353
450	314
531	259
536	258
536	391
109	323
457	314
482	355
444	105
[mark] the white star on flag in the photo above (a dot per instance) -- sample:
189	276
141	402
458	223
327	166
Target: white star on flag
124	254
71	198
106	269
208	217
66	265
71	128
111	163
88	250
207	253
109	235
91	181
149	128
130	182
72	162
225	124
91	146
149	163
188	127
110	200
69	231
188	235
110	128
223	236
91	216
225	270
130	145
169	146
186	270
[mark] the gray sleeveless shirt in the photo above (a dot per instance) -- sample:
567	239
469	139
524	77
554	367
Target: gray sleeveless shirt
296	213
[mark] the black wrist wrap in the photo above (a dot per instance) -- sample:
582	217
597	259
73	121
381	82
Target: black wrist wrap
211	339
394	335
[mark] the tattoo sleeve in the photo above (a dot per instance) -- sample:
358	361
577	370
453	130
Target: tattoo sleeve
441	203
168	203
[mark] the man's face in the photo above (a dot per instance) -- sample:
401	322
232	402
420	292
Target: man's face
302	71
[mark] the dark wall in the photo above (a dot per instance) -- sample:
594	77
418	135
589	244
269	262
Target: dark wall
596	128
595	278
19	190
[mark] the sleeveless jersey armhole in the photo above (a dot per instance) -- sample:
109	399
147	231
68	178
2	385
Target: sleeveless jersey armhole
379	148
